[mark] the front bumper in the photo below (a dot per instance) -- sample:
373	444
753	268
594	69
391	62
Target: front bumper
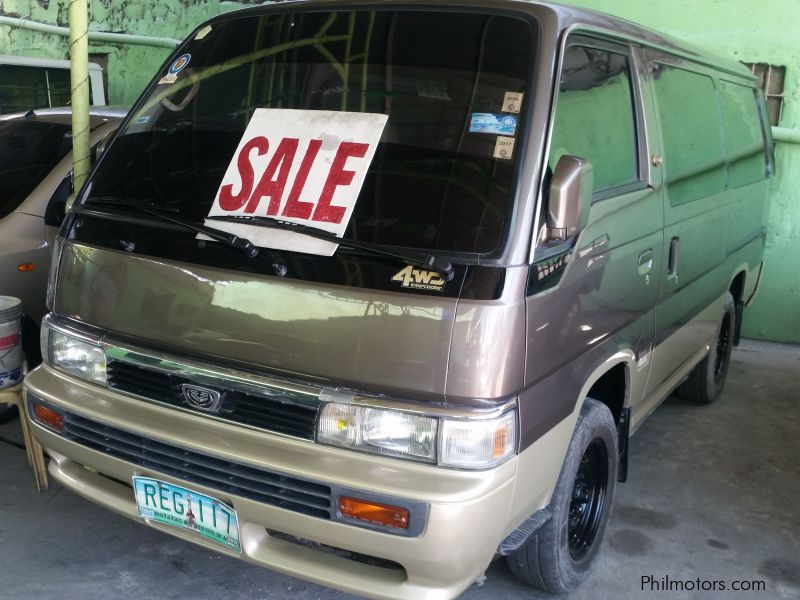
467	512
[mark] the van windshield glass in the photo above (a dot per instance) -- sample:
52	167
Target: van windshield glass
29	149
452	85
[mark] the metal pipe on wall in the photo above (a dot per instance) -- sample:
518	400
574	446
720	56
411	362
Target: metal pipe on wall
94	36
786	134
79	78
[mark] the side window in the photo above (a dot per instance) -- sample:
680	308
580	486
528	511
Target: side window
60	88
744	138
594	116
691	132
22	88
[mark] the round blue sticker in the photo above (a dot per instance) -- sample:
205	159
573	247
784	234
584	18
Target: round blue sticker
509	121
180	64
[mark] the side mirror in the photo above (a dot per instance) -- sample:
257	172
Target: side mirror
57	206
103	144
570	197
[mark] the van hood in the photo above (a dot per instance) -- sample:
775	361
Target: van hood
344	335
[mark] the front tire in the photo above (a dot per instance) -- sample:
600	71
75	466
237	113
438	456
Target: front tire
560	555
707	380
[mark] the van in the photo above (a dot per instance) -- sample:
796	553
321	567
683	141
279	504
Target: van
372	294
35	183
28	83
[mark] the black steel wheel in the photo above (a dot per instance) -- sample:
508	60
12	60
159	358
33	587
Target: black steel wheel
560	555
588	499
706	382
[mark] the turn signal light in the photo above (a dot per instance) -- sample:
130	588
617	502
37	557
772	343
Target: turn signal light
49	417
24	267
379	514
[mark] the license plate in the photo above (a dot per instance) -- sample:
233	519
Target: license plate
163	502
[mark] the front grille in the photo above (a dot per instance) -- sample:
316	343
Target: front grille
271	413
294	494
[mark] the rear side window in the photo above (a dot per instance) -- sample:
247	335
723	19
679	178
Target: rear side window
594	116
694	158
744	138
23	88
29	150
60	89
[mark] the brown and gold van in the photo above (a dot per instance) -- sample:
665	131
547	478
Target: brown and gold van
371	293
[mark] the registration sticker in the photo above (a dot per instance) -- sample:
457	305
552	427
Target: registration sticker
178	65
491	123
504	147
512	101
173	505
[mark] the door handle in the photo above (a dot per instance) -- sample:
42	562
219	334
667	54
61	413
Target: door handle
674	254
645	261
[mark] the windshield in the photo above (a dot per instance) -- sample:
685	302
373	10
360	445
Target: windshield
451	84
29	149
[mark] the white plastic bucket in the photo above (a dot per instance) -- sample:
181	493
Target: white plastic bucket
11	356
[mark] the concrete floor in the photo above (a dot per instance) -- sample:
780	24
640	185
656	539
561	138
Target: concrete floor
713	494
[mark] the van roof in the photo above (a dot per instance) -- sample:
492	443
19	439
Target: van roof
97	115
571	16
566	17
35	61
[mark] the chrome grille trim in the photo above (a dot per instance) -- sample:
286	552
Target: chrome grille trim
279	413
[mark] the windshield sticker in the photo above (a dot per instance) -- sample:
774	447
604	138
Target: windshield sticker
176	67
512	102
435	90
298	166
419	279
504	147
203	32
490	123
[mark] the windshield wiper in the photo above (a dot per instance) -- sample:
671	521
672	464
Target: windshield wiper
428	261
236	242
432	262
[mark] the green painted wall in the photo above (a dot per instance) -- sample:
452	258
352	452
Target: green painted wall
129	67
736	28
749	32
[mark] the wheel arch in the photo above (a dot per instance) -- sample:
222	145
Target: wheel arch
737	290
610	383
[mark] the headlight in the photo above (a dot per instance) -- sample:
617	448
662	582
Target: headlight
388	432
463	444
73	356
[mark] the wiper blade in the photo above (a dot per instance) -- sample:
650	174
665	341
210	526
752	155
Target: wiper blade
234	241
428	261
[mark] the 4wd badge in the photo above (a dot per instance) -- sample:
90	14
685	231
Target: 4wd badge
419	279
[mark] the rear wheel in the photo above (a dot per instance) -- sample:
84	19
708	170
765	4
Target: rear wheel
707	380
560	555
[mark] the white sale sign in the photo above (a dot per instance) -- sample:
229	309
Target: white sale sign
300	166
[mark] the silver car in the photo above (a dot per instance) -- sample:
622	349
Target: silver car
35	182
